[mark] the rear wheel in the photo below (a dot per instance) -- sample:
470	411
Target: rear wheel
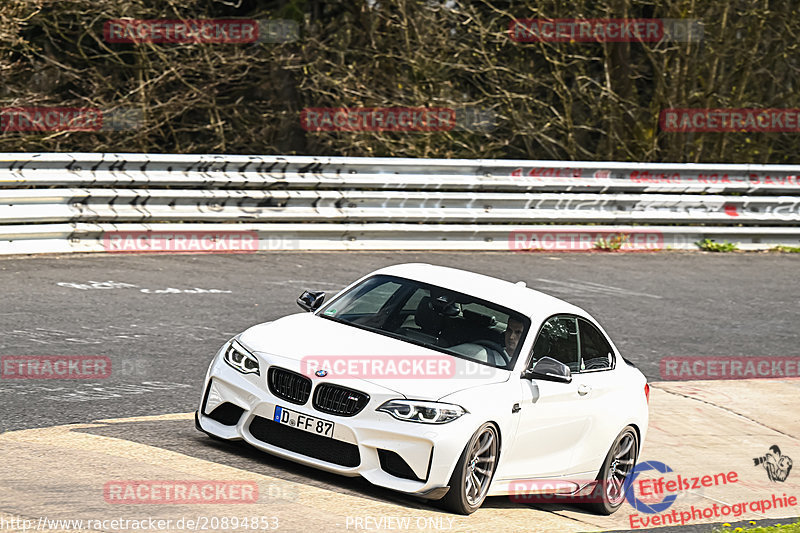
609	493
474	472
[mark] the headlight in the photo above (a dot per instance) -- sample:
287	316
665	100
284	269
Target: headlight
241	359
424	412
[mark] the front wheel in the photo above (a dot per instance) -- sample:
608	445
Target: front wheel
474	472
609	493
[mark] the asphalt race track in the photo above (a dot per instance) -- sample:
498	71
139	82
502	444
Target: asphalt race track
160	319
160	343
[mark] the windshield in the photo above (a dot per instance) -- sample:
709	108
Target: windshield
434	317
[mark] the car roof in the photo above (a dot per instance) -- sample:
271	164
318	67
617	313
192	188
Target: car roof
537	305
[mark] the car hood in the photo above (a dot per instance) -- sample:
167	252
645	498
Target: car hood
294	338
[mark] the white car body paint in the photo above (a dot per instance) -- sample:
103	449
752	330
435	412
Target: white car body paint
560	431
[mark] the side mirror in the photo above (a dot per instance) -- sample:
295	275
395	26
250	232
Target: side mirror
549	369
311	300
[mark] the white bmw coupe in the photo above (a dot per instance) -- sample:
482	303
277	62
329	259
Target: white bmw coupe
440	383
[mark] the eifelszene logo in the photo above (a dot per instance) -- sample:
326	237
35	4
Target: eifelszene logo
777	465
638	504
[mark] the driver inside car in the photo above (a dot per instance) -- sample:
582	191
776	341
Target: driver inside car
495	353
513	333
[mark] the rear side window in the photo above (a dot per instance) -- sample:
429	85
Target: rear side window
596	352
575	342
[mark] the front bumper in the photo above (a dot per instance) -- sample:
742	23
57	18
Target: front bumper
404	456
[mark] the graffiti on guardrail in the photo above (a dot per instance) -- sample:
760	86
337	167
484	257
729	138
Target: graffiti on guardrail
322	197
716	178
555	172
602	177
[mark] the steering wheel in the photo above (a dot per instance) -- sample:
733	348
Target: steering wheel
495	347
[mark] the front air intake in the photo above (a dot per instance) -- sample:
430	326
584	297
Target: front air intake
227	414
394	465
309	444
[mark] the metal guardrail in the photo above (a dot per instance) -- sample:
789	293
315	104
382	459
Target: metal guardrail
69	202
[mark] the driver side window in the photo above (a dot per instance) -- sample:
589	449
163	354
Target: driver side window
558	339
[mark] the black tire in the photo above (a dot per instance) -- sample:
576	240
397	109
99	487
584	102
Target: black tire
457	500
609	496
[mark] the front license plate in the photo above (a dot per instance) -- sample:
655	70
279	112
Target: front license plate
304	422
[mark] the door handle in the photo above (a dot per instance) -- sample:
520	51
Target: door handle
583	390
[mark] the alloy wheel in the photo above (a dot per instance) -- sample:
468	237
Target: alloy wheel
623	458
481	460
